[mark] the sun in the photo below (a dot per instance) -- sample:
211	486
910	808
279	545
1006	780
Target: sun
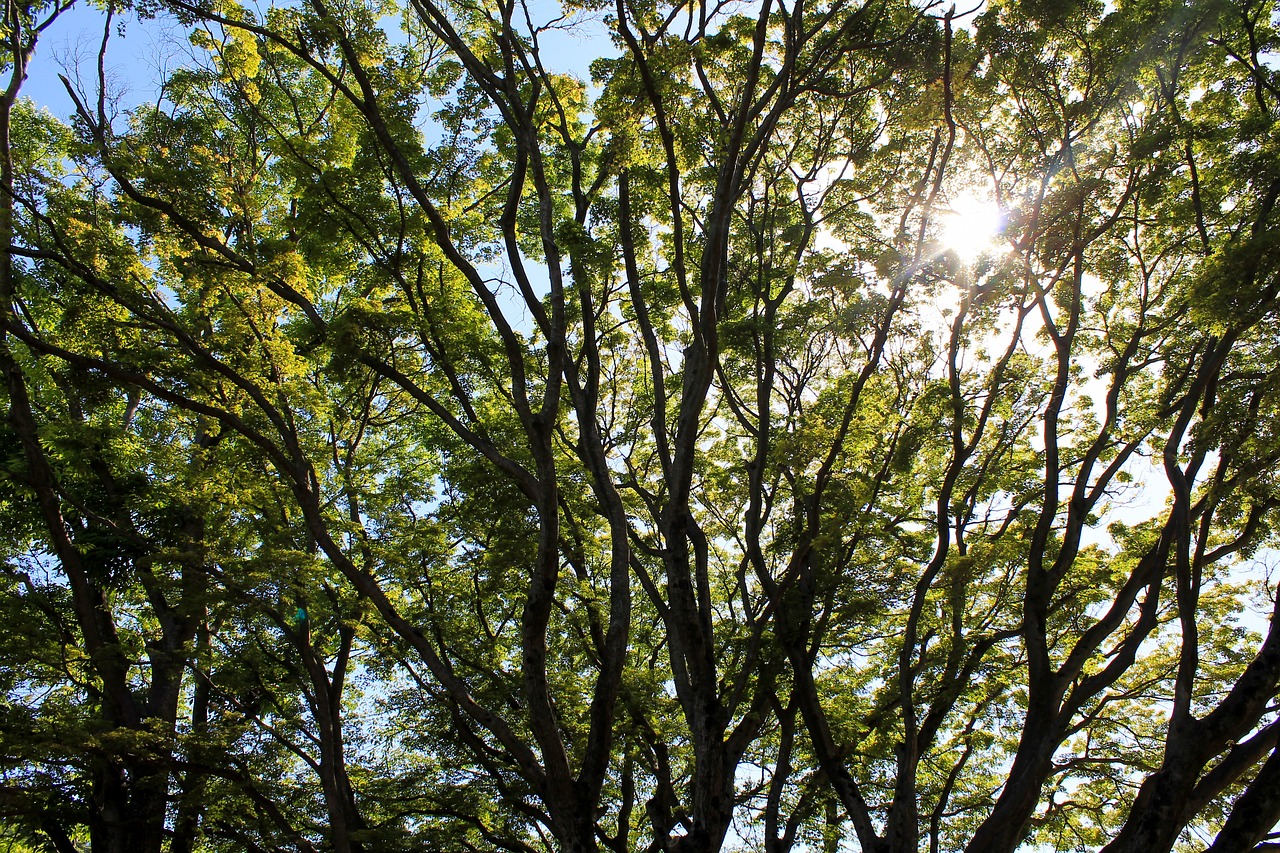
970	226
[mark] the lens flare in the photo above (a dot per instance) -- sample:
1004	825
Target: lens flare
970	227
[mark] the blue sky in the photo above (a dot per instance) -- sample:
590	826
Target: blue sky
136	60
133	62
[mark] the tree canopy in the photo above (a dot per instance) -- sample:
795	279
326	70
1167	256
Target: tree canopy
417	438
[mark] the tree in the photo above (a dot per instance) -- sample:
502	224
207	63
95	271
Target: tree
411	445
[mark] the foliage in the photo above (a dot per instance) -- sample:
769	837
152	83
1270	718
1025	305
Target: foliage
411	443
